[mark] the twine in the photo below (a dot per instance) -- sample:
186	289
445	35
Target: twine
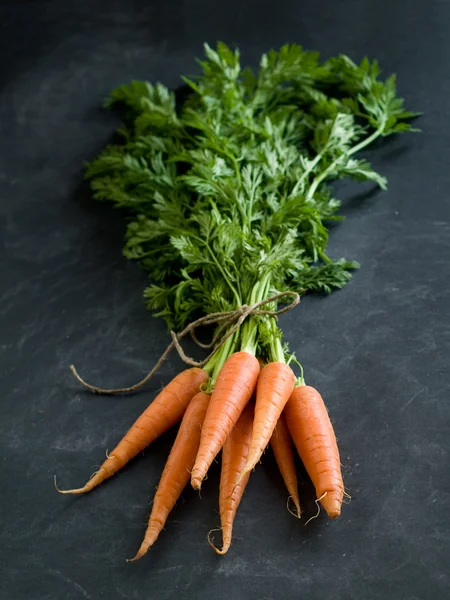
233	318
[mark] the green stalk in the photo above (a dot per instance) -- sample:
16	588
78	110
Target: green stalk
275	348
324	257
222	354
236	168
299	380
368	140
307	172
209	367
248	336
250	327
224	275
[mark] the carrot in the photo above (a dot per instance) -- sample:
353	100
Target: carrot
275	385
281	444
233	389
164	412
234	457
311	429
177	470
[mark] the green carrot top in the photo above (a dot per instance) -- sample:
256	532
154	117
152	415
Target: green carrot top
228	187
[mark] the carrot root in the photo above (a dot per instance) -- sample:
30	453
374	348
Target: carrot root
164	412
234	456
226	542
298	513
77	491
317	502
176	473
332	501
151	536
311	429
275	386
234	388
281	443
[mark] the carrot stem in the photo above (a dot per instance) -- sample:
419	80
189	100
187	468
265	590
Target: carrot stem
259	292
248	336
276	348
299	380
223	353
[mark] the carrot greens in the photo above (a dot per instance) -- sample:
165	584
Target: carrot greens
228	188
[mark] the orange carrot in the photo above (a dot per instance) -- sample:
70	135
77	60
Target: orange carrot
233	389
177	471
162	414
311	429
275	385
281	444
234	457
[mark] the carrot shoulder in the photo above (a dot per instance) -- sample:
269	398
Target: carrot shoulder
177	470
234	457
311	429
233	389
162	414
275	385
281	444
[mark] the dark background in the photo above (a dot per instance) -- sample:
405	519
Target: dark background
378	350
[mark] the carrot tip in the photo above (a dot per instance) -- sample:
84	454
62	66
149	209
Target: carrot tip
138	556
74	491
226	543
196	483
331	502
335	514
298	512
145	547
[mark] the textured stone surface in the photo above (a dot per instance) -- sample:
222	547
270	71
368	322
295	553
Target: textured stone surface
378	351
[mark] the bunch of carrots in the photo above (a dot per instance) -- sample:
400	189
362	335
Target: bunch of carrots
251	406
227	195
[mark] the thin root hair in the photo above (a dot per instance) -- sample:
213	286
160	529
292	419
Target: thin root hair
318	508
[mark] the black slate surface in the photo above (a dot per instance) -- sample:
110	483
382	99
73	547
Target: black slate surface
378	350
